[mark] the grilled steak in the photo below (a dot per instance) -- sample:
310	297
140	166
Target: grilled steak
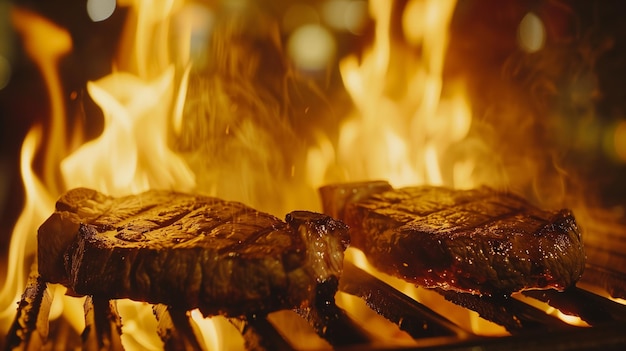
189	251
480	241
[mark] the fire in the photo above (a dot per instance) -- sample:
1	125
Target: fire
407	122
23	246
404	120
406	126
131	155
46	43
142	102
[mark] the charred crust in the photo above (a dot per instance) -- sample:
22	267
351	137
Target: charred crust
481	241
191	251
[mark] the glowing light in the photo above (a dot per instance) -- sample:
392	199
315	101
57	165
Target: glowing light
345	15
139	326
209	330
71	307
312	47
131	155
217	332
569	319
177	119
99	10
404	124
432	167
356	17
23	238
600	291
412	25
618	300
46	43
531	33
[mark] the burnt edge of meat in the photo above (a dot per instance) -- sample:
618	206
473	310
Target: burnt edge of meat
189	251
479	241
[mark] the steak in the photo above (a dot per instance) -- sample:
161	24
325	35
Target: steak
479	241
189	251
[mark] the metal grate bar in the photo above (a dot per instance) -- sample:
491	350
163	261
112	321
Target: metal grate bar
614	282
175	329
260	335
411	316
590	307
531	327
609	338
331	322
514	315
103	326
29	330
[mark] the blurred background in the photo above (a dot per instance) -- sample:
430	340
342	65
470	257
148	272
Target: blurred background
560	63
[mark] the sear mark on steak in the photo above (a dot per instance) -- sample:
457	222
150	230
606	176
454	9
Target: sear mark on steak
480	241
189	251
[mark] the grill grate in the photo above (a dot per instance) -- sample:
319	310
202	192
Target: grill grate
530	328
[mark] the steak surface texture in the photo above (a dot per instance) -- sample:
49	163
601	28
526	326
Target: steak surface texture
480	241
189	251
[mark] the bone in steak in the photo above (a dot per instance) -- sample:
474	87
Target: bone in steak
480	241
189	251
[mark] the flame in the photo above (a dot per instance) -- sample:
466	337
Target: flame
143	102
543	306
138	326
217	333
131	155
36	209
406	126
407	123
46	43
404	123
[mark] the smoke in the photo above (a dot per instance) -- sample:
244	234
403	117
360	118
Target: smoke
242	106
528	105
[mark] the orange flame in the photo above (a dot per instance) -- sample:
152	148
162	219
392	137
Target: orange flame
46	43
144	99
131	155
404	127
23	241
404	122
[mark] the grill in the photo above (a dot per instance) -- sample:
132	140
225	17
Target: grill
529	327
525	316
